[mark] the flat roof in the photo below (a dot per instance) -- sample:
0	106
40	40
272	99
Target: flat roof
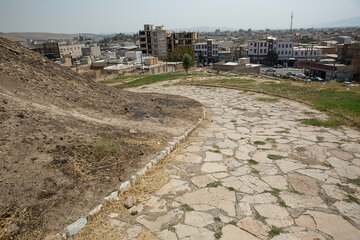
119	67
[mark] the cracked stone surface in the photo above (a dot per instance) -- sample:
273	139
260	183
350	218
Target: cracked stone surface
296	182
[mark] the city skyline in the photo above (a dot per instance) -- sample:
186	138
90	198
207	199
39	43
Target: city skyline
121	16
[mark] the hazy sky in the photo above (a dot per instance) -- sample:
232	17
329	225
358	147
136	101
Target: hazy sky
79	16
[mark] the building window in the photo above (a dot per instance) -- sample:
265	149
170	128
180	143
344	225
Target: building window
290	52
265	51
290	45
254	50
261	44
302	53
152	71
163	68
286	46
158	69
283	45
278	52
285	52
260	50
254	44
282	52
251	44
296	53
279	46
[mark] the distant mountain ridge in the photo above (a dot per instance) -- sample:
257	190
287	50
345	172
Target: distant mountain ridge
203	29
21	36
348	22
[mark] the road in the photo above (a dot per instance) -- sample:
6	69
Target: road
253	171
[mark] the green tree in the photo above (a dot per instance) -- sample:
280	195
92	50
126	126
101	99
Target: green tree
186	61
178	53
272	57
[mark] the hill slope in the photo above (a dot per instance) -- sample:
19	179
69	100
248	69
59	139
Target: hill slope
65	140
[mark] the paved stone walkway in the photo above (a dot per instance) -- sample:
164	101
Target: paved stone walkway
254	169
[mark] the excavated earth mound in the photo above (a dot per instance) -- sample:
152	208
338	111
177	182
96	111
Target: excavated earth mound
66	141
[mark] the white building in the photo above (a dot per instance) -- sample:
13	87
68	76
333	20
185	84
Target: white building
258	48
207	51
302	52
284	49
134	55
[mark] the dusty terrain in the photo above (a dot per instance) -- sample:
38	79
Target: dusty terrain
67	141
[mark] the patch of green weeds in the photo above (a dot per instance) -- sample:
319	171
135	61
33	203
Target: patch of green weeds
355	181
319	138
274	157
217	219
233	121
253	162
351	198
282	204
215	151
300	149
321	123
270	140
275	231
255	171
231	189
260	218
103	147
186	208
213	185
232	222
267	99
274	191
218	234
259	143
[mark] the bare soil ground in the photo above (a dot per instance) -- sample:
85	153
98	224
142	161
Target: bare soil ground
66	141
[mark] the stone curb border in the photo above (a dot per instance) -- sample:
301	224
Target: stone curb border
79	224
276	95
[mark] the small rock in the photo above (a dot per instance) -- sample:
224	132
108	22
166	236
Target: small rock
129	202
113	215
13	228
141	153
134	212
133	131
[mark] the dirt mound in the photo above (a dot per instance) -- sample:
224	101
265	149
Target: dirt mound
67	141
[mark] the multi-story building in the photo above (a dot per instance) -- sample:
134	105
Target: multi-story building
306	53
258	48
207	52
154	41
159	42
284	49
74	50
48	49
92	50
183	39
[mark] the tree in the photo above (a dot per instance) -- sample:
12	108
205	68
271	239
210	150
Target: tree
178	53
272	57
186	61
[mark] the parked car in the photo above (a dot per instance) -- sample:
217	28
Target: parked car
278	66
290	73
200	65
270	70
301	75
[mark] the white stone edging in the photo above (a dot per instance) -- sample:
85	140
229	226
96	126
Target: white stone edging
75	227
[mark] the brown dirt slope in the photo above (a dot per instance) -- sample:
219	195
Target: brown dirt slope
65	140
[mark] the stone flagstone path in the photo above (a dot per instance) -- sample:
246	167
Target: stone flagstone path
252	169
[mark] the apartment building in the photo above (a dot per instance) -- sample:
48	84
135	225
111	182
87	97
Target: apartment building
258	48
70	49
284	49
48	49
207	52
306	52
92	50
183	39
156	41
